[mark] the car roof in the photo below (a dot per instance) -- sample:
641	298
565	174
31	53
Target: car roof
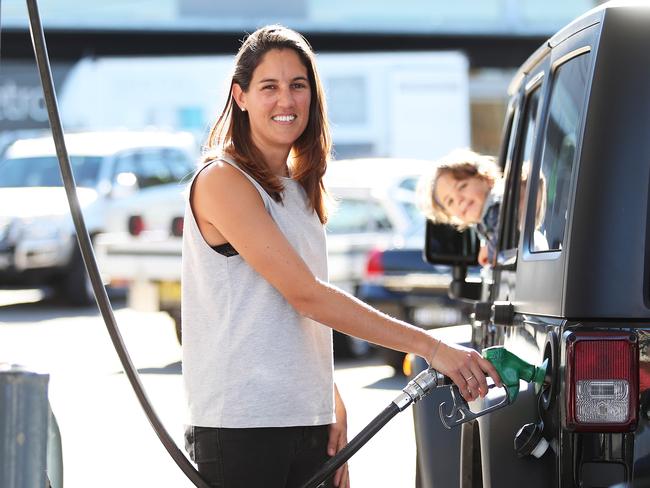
591	17
101	143
373	173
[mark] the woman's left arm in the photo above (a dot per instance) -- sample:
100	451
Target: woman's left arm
338	439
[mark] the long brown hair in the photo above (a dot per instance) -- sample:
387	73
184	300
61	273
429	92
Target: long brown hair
309	153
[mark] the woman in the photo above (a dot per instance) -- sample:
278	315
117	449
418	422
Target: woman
257	308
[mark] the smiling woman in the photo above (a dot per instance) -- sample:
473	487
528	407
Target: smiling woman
278	104
257	308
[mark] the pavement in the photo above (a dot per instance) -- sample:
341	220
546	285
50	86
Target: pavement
107	440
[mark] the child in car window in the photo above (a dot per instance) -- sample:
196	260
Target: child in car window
465	189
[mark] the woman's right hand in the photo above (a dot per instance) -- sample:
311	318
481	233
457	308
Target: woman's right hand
466	368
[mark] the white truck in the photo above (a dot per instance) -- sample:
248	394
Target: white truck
399	104
393	105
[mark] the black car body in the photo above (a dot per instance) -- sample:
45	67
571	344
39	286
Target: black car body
571	284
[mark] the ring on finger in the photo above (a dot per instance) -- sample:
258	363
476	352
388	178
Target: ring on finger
471	377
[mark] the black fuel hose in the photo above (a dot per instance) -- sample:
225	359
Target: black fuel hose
414	391
353	446
43	63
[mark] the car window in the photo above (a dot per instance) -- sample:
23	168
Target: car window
521	152
559	154
412	211
356	216
179	163
524	160
126	163
409	183
149	167
154	170
44	171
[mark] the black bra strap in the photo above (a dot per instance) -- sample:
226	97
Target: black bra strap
225	250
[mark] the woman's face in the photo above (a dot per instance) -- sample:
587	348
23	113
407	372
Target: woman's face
463	199
277	100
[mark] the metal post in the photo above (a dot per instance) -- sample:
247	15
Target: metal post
54	453
24	416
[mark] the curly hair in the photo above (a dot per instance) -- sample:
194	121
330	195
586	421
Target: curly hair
460	164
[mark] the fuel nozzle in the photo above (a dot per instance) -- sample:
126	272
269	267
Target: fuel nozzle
511	369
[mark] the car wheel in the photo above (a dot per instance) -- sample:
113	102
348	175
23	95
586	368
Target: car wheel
76	288
176	317
393	358
350	347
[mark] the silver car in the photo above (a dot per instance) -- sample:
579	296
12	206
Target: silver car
374	208
37	238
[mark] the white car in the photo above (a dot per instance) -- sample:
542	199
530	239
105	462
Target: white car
37	238
375	208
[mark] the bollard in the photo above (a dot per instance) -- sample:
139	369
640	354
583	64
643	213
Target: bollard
24	415
54	453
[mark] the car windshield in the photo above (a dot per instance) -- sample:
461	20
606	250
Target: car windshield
353	216
44	171
410	183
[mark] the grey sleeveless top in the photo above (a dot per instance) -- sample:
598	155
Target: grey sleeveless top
249	359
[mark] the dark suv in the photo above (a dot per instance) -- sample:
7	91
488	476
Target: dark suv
572	281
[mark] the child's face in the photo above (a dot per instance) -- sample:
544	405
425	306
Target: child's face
463	199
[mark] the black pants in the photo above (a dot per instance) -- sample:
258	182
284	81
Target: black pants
284	457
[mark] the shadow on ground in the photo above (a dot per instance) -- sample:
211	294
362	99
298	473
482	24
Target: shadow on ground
34	305
171	368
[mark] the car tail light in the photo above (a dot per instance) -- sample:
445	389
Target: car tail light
177	226
374	265
136	225
602	380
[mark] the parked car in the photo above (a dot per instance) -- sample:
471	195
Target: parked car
141	247
399	282
37	238
374	209
570	285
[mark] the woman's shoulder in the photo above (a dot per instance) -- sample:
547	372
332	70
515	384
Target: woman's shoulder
220	188
218	173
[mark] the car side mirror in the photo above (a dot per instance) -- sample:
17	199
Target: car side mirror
445	245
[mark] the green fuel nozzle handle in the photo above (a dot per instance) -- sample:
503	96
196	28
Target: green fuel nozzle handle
512	369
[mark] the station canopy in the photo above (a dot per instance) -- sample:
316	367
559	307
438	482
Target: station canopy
478	17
